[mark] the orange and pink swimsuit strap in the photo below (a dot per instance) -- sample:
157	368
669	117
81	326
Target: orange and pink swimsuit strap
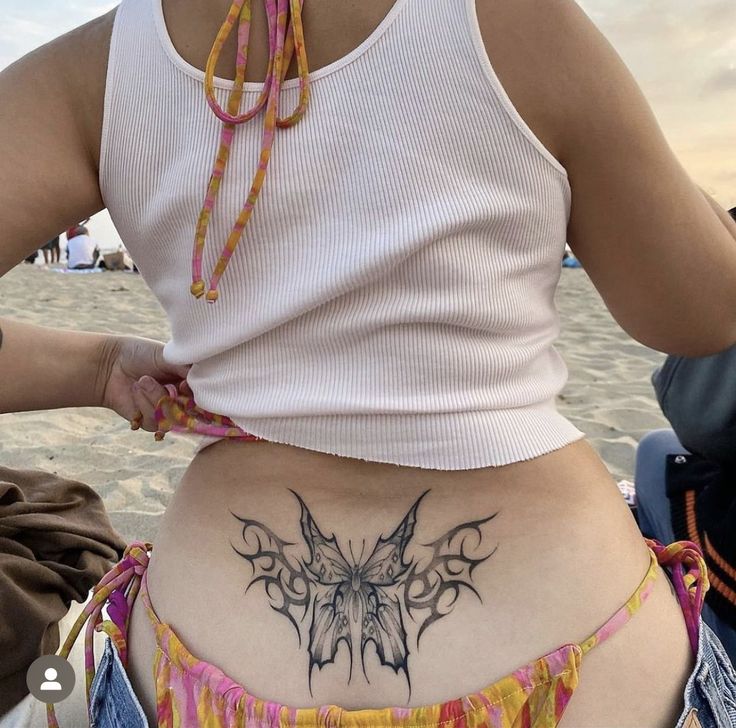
119	588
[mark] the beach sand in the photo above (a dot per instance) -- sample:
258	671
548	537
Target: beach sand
608	395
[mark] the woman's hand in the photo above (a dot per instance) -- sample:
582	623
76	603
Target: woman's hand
132	375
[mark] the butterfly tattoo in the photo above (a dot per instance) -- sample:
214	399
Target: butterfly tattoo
333	599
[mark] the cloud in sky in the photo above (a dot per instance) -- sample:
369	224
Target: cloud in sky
682	53
25	26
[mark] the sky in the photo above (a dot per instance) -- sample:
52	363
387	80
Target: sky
682	53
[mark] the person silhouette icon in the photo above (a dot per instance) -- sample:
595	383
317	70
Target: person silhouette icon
50	679
50	684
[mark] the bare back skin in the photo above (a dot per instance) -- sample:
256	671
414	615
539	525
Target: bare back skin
566	554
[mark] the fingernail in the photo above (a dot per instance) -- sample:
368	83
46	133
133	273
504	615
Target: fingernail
147	383
137	421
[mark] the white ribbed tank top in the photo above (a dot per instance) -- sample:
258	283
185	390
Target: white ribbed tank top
392	296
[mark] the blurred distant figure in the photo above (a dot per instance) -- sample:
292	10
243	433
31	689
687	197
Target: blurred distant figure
81	250
31	258
569	260
51	251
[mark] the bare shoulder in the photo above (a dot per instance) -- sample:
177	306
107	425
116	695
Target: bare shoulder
555	65
83	53
50	130
530	44
77	84
637	217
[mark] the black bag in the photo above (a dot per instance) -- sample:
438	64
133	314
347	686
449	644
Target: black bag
698	396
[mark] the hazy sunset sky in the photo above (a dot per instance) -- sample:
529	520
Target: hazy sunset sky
683	54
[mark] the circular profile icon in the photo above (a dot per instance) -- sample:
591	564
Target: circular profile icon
50	679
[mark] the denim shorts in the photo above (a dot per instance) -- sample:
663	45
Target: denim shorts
710	692
112	702
711	688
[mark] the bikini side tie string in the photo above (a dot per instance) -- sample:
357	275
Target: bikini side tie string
177	411
120	586
690	579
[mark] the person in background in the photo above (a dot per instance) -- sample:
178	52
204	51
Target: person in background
81	250
51	251
686	476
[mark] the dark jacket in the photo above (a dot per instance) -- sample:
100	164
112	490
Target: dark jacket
56	543
698	397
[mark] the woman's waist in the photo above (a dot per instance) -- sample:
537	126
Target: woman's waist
291	557
551	504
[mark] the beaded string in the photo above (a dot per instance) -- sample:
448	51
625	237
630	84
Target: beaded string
283	42
177	411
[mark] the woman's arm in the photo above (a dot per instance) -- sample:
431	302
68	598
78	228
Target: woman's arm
51	103
660	252
724	216
50	128
43	368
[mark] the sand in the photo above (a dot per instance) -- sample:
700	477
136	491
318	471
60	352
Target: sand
608	395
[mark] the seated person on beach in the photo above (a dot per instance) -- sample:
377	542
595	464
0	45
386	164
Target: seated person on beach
389	523
682	495
686	476
81	250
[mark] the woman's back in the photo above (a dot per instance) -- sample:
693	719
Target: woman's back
565	552
407	243
556	548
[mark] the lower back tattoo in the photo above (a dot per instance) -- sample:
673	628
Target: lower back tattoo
361	601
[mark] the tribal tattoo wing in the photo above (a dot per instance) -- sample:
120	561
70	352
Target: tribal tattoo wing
287	585
360	602
448	570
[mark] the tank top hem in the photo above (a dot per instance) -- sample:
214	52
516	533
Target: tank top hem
446	441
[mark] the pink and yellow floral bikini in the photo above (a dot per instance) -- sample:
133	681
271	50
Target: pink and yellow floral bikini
191	692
